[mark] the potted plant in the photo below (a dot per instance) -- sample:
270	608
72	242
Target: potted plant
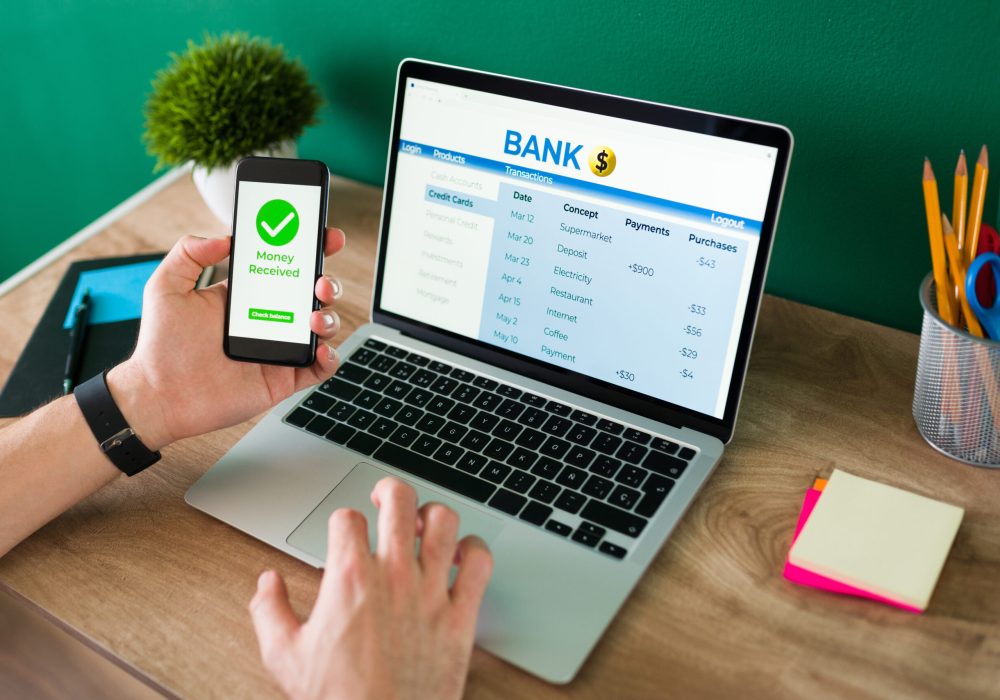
222	100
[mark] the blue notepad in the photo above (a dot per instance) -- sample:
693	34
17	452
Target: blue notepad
115	292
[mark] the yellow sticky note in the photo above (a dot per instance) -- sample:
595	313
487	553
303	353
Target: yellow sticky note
881	539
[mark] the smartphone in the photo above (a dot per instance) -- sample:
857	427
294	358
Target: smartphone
276	256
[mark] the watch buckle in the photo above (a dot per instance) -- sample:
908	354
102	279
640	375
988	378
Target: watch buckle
117	440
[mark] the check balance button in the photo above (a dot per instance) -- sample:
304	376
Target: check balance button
613	518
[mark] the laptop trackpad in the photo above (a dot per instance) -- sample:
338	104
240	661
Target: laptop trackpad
355	492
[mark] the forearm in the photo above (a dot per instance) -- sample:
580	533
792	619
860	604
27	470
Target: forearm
50	460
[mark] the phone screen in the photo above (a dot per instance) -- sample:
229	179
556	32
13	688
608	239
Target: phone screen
274	261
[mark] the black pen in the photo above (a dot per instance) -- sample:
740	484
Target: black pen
76	336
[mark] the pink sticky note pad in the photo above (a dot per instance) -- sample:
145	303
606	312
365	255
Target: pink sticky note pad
804	577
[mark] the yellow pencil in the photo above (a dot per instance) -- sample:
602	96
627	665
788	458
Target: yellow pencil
945	299
958	276
961	198
975	216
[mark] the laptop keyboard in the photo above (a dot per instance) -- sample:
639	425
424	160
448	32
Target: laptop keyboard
547	463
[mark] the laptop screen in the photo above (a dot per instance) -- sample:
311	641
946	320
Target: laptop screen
616	249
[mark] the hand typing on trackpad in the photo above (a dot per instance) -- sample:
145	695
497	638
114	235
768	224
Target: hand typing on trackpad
355	492
397	621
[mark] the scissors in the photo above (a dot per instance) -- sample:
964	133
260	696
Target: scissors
989	316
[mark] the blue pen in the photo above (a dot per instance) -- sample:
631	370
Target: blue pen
76	336
989	317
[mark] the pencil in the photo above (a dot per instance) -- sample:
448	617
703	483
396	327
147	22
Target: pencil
975	215
958	276
961	198
942	284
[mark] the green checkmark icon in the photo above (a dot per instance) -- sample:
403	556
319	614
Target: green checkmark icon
277	222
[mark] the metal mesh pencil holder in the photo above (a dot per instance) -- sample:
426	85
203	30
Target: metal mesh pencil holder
956	401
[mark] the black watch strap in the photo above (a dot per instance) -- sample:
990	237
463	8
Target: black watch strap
117	439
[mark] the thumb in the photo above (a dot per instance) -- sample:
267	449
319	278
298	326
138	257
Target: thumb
273	620
183	265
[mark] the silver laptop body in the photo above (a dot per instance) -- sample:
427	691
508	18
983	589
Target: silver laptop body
575	478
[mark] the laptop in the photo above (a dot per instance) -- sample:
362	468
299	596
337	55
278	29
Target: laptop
566	290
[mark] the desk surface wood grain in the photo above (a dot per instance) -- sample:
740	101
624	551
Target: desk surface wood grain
162	588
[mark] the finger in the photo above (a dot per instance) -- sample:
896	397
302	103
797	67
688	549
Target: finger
183	265
327	362
348	560
334	241
475	566
438	543
397	519
328	289
347	536
324	323
273	619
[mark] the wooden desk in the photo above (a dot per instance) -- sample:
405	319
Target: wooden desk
162	588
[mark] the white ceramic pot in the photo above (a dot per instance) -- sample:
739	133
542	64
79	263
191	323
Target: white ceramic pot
217	186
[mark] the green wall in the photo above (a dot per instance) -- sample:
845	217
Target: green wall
867	88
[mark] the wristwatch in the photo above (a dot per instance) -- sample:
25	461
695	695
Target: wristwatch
118	440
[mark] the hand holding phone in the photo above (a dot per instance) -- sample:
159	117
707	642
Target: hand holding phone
276	258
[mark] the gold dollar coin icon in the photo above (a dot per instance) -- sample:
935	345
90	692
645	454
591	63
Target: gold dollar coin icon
602	161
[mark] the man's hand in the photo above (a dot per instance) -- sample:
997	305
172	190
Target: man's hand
385	624
179	383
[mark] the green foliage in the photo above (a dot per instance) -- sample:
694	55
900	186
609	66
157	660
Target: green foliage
226	98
